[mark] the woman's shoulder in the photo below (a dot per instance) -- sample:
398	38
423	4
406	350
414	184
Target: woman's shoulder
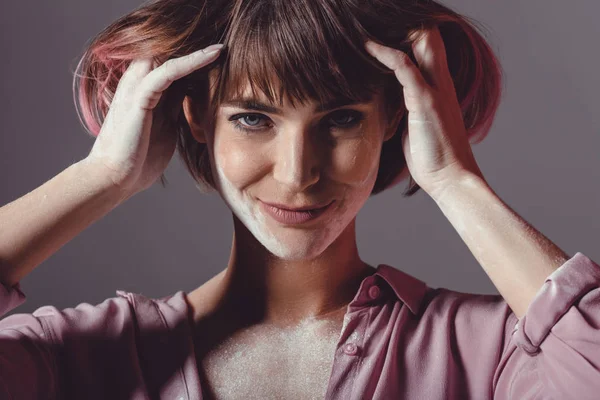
110	318
470	313
421	297
93	344
441	304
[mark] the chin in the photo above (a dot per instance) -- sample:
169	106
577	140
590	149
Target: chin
295	251
293	244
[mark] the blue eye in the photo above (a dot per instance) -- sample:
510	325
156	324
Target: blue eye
248	118
342	119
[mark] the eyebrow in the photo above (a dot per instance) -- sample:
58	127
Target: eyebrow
250	103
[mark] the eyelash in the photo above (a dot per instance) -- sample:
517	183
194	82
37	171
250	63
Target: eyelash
357	117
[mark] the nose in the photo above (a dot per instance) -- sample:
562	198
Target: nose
297	160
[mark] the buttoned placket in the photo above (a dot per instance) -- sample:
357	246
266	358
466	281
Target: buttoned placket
350	350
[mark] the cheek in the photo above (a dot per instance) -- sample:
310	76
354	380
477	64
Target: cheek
356	162
236	163
242	162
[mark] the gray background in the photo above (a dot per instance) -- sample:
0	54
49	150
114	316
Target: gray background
541	157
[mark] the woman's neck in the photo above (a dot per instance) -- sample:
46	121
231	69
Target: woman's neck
261	288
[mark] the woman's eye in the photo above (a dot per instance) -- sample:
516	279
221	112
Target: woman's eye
343	119
250	122
346	118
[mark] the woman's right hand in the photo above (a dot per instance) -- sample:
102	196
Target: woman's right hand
137	139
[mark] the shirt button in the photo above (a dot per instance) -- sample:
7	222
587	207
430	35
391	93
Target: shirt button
351	349
374	292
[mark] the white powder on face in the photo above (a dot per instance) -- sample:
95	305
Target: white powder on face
275	363
264	362
291	243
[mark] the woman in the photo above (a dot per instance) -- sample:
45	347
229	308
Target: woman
312	106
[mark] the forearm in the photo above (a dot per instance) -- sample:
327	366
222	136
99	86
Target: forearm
515	256
36	225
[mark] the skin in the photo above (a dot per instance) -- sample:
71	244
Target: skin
285	274
270	321
310	274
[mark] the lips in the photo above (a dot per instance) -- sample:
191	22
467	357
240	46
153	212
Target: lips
291	217
303	208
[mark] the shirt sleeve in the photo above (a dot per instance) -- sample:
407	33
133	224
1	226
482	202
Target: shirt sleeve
27	362
554	349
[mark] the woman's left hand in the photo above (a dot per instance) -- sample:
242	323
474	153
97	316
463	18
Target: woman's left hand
436	147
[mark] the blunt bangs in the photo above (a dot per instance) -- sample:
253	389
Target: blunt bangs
301	52
296	49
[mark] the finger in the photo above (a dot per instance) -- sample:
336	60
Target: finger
430	54
417	91
159	79
130	79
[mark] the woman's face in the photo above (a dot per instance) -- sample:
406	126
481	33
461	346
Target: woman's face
296	157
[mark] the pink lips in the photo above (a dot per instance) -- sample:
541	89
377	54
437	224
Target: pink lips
293	217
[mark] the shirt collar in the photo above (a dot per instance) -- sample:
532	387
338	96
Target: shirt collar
410	290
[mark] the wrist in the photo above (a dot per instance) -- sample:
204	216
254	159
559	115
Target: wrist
98	180
460	183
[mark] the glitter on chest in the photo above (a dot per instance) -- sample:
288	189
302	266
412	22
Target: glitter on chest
267	362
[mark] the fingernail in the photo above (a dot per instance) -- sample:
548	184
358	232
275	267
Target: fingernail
370	46
213	47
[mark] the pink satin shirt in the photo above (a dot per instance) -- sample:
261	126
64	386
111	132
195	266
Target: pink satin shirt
401	340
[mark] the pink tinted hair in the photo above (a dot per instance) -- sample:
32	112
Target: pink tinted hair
301	49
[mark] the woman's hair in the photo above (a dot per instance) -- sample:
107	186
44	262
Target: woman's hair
294	49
